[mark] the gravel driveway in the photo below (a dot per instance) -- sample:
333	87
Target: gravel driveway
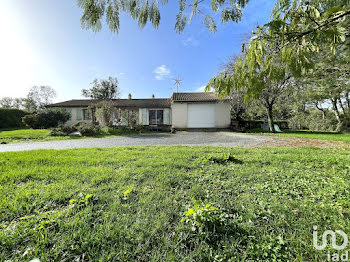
182	138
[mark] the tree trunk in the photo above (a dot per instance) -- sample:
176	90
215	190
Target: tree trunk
93	115
347	99
336	112
270	119
335	109
341	105
322	110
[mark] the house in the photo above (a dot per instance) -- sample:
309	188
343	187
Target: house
181	111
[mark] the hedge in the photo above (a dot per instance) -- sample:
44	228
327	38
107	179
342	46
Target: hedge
11	118
47	118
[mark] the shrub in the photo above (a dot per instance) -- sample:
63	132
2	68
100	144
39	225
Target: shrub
67	129
46	118
139	128
63	130
57	132
87	129
10	118
30	120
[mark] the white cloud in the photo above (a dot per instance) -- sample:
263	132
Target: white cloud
200	89
122	74
161	72
190	41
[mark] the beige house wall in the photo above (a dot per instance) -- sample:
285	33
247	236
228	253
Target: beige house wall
179	115
74	120
223	114
74	113
140	116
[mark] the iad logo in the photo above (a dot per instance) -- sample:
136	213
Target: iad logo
334	256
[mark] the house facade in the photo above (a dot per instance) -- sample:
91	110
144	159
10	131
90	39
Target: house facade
181	111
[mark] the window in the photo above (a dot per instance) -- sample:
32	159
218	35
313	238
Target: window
86	114
133	117
125	117
155	117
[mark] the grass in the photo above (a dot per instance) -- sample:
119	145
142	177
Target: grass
171	203
32	135
330	136
26	135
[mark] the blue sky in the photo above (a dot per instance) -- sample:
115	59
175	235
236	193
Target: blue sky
43	43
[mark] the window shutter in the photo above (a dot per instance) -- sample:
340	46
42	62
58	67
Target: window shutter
79	113
166	116
69	111
144	116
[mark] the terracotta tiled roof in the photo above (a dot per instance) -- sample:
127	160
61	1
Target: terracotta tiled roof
195	97
139	103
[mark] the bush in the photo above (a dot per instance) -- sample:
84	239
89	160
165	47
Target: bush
10	118
87	129
67	129
140	128
63	130
313	121
57	132
46	118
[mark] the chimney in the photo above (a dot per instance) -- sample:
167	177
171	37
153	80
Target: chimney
129	96
153	96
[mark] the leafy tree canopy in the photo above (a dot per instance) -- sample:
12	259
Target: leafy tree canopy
296	33
103	89
147	11
39	96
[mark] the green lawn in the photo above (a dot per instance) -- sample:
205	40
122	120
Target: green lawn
30	135
171	203
330	136
27	135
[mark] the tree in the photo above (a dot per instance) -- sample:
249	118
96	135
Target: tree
103	89
272	77
10	102
39	96
328	82
238	106
18	103
128	116
145	11
29	104
296	33
6	102
104	113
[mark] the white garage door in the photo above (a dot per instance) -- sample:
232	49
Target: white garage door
201	115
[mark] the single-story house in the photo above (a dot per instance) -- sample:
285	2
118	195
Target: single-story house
181	111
